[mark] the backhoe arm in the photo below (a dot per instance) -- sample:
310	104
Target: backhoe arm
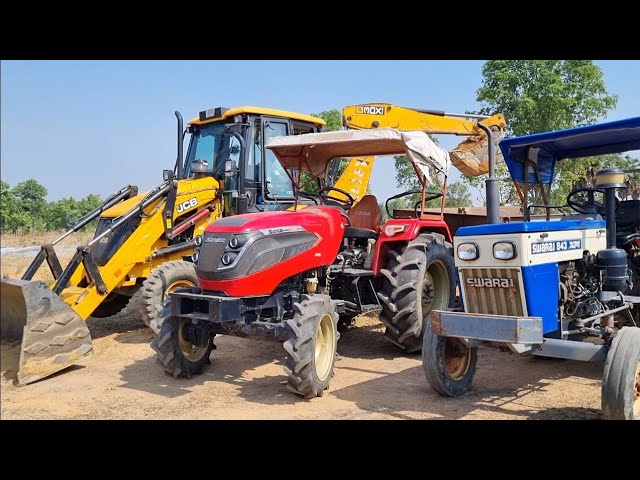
470	156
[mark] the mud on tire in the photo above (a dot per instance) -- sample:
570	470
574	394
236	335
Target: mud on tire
311	346
166	277
404	297
177	355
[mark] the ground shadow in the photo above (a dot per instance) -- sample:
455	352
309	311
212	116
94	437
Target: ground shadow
253	365
148	376
567	413
233	363
365	339
501	389
120	325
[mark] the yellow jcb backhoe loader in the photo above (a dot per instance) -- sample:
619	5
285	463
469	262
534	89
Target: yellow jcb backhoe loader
470	156
143	242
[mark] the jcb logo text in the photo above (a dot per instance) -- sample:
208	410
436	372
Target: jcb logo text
187	205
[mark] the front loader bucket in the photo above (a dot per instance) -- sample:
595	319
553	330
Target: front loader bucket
471	156
52	334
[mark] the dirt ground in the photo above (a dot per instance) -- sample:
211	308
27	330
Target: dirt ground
373	380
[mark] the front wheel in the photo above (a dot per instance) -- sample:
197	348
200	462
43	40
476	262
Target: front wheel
419	277
448	364
183	348
311	346
621	377
165	279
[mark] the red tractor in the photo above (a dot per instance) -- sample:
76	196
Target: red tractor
291	275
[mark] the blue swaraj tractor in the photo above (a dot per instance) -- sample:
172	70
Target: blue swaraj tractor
562	288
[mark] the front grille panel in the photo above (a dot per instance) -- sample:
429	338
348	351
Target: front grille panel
503	297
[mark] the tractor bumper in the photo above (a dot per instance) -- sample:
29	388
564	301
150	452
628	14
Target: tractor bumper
520	334
225	315
192	303
489	328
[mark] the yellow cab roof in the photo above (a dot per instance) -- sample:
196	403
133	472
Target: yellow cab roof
259	111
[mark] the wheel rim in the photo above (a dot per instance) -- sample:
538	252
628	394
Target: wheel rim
436	289
325	342
636	395
190	351
175	285
457	357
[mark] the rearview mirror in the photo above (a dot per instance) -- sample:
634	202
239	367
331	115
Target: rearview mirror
167	175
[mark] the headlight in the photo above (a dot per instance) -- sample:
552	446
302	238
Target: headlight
468	251
228	258
237	241
504	250
391	230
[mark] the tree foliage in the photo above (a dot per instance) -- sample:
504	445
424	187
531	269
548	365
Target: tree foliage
333	118
538	96
24	207
334	122
458	193
541	95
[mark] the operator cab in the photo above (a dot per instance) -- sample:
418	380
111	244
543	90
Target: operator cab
231	142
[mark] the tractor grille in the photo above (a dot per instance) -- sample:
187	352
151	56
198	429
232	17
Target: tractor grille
492	291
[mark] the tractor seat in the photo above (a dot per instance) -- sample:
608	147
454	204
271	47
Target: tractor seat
365	217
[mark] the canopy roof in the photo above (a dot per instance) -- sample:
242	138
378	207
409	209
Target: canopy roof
312	152
545	149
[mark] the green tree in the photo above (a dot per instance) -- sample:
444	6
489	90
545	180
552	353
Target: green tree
6	206
334	122
30	200
575	170
458	195
62	214
542	95
332	117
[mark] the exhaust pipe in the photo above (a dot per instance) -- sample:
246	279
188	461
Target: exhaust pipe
493	196
180	169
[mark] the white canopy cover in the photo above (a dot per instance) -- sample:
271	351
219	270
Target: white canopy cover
312	152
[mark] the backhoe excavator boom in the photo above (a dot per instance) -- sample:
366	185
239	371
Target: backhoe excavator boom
470	156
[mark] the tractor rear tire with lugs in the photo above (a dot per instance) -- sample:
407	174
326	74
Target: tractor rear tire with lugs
419	277
164	279
175	352
621	377
311	346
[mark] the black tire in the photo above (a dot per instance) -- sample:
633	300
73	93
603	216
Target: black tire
449	365
621	377
173	351
110	306
163	314
165	278
403	303
314	319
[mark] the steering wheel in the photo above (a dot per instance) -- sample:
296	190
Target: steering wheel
309	195
346	204
590	206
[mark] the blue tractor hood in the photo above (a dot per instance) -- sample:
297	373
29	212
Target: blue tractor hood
545	149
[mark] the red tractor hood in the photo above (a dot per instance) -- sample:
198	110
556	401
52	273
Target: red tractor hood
251	254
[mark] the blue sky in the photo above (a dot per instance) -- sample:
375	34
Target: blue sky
81	127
